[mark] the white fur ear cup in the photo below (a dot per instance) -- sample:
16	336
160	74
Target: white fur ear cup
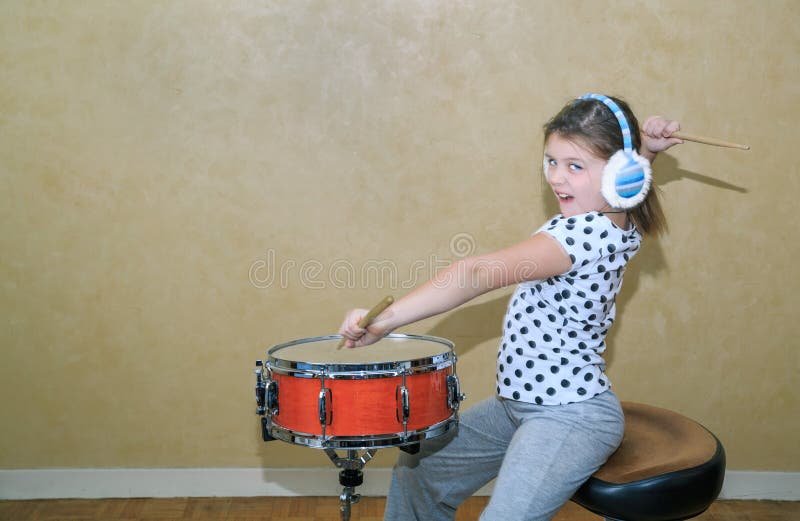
626	180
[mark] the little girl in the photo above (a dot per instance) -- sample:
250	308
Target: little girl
555	419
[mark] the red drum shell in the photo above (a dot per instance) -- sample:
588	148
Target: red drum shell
362	407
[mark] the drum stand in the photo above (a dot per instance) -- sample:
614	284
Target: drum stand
350	477
351	474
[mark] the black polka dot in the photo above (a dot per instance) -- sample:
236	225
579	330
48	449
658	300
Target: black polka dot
524	330
528	309
547	338
540	378
529	364
513	337
588	230
542	356
581	391
506	382
587	247
588	377
528	387
515	395
554	369
538	400
551	391
565	383
518	373
570	241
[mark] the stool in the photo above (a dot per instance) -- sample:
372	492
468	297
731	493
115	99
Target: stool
668	468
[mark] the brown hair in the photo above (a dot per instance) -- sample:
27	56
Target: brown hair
594	126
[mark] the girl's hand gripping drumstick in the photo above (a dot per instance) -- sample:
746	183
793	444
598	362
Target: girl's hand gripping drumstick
708	140
370	316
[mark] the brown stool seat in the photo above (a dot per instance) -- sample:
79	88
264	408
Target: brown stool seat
667	468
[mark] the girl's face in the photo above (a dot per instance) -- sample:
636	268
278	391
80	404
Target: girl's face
574	173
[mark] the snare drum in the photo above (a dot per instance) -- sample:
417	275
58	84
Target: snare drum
396	392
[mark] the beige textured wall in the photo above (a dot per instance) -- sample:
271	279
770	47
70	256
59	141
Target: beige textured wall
152	153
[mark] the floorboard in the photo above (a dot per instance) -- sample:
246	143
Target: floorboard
314	509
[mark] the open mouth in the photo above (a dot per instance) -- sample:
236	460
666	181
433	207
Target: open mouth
564	197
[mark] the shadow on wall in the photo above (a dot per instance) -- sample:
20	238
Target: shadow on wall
651	259
667	171
475	324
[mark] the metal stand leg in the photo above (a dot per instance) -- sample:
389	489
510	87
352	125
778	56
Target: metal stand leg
350	477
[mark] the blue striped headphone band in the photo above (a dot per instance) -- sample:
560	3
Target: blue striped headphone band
627	143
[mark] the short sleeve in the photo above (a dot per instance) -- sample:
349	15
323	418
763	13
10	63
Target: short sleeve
583	237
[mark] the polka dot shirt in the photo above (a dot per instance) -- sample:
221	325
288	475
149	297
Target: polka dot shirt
555	329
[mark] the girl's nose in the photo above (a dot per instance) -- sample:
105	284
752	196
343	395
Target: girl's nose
554	175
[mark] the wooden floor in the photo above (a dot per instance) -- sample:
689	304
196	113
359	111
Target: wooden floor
314	509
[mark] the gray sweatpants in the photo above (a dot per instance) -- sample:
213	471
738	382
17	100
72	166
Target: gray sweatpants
540	454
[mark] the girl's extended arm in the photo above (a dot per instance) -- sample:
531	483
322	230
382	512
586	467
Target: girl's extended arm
536	258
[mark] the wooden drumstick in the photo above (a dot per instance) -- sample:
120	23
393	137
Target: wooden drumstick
370	316
708	140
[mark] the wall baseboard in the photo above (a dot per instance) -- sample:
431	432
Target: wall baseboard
253	482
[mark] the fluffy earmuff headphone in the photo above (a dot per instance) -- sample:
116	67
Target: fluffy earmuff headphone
627	175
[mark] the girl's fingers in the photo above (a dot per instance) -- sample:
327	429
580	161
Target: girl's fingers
670	127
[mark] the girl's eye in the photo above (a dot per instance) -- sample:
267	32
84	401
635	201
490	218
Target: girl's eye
574	167
551	162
